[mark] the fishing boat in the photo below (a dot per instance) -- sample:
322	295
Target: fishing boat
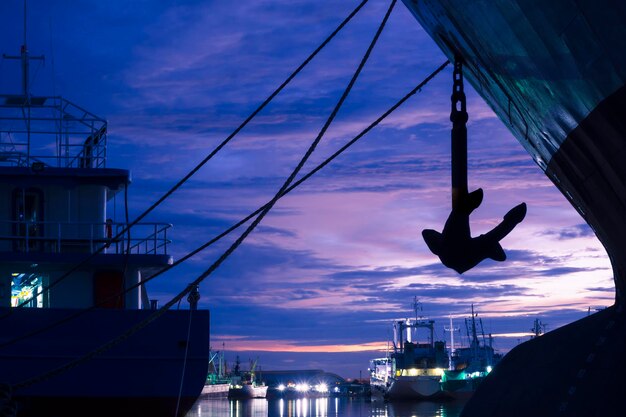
469	365
78	333
413	370
245	385
381	371
217	383
554	72
418	365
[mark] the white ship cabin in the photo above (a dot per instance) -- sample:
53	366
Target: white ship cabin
55	188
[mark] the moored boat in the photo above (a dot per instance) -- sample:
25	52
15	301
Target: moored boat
418	365
413	370
217	383
245	385
381	371
79	332
470	365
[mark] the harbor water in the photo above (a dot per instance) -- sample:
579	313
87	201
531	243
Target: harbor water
321	407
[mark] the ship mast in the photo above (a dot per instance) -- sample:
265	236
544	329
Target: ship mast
25	58
474	332
451	329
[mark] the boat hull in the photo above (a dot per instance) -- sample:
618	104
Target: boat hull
461	389
406	388
215	390
378	392
146	371
248	391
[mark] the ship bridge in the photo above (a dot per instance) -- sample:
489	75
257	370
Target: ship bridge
56	187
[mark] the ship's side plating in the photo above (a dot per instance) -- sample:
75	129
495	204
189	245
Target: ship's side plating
555	73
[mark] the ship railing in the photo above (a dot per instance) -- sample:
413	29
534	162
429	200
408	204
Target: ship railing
154	243
83	237
50	130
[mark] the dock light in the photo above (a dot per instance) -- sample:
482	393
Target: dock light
489	368
321	387
281	387
302	387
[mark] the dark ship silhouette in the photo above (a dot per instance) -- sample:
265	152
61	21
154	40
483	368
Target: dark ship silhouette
554	72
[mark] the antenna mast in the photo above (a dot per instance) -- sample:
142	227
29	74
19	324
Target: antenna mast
25	58
451	329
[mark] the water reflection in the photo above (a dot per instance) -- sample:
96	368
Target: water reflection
257	407
322	407
419	409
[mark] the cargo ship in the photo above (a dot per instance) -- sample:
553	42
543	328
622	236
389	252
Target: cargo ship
554	72
69	277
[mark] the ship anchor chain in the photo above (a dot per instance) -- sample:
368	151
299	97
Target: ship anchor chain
455	246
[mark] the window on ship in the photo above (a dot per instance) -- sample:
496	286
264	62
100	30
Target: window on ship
27	217
24	286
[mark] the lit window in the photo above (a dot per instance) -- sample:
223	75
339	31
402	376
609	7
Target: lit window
27	288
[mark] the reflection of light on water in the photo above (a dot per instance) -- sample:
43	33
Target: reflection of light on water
258	408
301	407
379	409
322	407
298	408
305	404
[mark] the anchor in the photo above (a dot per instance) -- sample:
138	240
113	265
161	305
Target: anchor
455	246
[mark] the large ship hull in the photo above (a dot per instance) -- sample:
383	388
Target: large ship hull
154	372
555	73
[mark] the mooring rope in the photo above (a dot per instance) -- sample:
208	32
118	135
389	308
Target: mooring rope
182	374
215	239
158	313
204	161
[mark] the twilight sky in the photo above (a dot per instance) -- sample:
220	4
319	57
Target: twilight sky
319	283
